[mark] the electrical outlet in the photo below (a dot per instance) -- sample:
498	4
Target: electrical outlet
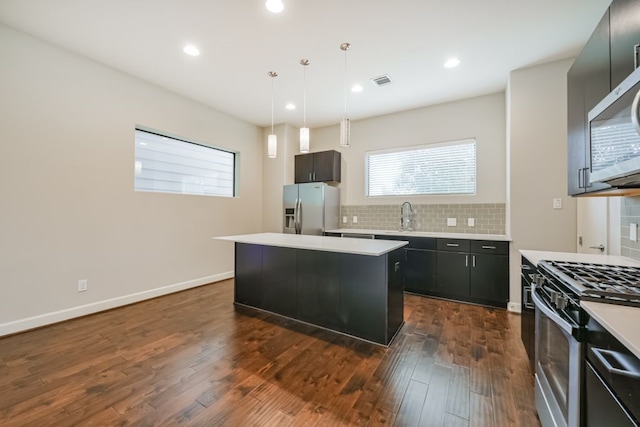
557	203
355	219
451	222
633	232
82	285
471	222
344	220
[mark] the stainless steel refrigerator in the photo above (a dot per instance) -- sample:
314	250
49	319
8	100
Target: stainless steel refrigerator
311	208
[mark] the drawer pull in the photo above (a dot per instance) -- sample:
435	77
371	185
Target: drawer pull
453	245
525	267
488	247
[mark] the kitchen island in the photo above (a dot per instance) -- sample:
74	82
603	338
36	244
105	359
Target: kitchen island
350	286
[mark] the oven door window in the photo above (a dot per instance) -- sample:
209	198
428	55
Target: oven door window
554	352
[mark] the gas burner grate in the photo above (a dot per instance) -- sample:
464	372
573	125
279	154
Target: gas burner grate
603	281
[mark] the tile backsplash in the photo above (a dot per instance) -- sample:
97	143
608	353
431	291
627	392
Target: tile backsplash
629	213
489	217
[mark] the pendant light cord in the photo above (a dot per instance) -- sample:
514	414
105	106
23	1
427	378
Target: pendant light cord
304	96
272	94
345	83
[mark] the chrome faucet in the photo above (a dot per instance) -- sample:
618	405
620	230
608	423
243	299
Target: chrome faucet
406	217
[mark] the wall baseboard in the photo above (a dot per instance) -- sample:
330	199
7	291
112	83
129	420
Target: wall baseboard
514	307
22	325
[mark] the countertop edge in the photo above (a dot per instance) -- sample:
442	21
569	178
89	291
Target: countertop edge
319	243
536	256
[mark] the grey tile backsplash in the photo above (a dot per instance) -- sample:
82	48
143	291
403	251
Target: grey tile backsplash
489	217
629	213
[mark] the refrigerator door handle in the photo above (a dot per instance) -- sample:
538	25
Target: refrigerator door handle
299	216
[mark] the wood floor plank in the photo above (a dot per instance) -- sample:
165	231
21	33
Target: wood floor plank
435	404
412	404
193	358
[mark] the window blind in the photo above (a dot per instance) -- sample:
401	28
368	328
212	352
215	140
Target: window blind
170	165
447	168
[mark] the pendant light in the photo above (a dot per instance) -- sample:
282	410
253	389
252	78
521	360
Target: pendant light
304	130
272	139
345	124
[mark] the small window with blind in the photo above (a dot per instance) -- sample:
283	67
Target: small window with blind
436	169
167	164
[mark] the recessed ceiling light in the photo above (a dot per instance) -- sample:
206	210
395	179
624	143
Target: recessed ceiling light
290	106
452	62
356	88
274	6
191	50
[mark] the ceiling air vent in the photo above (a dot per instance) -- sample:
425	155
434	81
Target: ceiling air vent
381	80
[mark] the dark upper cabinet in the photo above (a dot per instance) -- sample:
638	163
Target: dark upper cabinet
323	166
624	18
588	81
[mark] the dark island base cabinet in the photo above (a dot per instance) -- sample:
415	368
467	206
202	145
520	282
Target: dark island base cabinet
358	295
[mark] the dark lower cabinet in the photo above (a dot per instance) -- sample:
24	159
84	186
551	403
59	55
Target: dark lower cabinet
250	275
361	311
453	274
279	285
488	276
358	295
480	274
528	275
319	288
419	271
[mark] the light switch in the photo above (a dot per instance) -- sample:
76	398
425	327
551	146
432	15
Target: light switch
344	219
471	222
451	222
355	219
557	203
633	232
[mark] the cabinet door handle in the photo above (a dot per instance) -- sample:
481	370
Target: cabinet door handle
489	247
310	179
466	260
473	260
580	179
453	245
636	54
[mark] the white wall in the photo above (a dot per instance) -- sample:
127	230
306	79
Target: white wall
482	118
537	164
69	211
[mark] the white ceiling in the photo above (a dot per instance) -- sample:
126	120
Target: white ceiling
240	41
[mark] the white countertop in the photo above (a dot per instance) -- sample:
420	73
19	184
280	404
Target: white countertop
620	320
319	243
537	256
496	237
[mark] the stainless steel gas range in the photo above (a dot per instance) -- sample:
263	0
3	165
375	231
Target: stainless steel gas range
562	334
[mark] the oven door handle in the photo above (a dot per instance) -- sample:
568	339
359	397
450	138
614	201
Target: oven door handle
550	312
603	357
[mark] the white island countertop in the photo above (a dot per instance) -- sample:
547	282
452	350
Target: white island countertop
440	235
319	243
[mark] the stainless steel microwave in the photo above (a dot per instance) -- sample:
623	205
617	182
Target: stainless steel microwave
614	135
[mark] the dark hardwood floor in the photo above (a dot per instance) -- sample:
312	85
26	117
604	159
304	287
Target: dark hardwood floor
192	358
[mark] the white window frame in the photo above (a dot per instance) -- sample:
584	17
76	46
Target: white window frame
196	183
467	141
